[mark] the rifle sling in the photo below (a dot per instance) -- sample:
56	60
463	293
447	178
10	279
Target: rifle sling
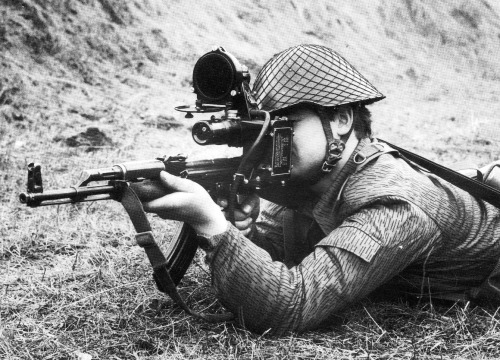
161	275
473	187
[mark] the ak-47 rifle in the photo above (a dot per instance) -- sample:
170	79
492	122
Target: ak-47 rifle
110	183
222	87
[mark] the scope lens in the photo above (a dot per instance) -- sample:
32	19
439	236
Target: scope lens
213	77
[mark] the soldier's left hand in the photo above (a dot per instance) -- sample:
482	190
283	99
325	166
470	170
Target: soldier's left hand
187	201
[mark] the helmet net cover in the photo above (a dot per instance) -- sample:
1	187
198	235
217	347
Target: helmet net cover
311	74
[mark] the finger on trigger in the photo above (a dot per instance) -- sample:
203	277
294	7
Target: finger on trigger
243	224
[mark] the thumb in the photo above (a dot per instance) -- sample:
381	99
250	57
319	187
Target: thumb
178	184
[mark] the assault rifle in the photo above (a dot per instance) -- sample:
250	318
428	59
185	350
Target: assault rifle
111	183
222	87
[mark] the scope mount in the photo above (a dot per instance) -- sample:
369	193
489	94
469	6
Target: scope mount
199	109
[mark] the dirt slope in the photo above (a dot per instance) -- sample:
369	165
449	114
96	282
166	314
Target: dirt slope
67	65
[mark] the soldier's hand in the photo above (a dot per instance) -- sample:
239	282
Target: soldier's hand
148	190
183	200
244	214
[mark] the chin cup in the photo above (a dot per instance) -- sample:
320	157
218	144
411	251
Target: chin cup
335	150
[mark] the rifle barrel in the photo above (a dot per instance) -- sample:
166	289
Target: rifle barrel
72	194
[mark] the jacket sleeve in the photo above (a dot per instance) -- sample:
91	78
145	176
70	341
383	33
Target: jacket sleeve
268	229
348	264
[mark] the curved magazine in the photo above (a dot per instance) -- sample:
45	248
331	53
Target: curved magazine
181	251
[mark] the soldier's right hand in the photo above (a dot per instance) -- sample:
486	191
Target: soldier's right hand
245	213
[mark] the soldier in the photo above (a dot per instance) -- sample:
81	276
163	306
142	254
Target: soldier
372	219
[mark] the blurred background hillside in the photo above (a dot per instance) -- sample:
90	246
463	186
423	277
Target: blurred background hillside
123	65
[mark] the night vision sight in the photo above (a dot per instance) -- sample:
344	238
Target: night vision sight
222	84
222	87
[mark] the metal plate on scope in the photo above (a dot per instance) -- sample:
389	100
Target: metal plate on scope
282	151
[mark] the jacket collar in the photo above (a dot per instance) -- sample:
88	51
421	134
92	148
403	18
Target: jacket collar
324	210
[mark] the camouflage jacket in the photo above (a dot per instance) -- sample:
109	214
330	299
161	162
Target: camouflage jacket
385	223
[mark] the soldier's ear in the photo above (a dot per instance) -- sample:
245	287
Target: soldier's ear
344	118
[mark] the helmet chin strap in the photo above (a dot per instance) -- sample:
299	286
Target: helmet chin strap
334	148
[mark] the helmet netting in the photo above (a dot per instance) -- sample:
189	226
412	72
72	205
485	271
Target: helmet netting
311	74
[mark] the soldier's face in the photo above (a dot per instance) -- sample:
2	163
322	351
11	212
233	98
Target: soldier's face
309	144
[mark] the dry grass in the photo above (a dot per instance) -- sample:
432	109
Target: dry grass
92	294
72	282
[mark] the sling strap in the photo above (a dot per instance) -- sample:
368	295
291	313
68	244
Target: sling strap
161	274
475	188
489	289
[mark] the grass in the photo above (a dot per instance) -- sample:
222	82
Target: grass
73	282
100	301
74	285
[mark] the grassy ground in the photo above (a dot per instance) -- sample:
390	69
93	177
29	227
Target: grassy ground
73	284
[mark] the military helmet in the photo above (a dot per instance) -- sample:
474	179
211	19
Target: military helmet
311	74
